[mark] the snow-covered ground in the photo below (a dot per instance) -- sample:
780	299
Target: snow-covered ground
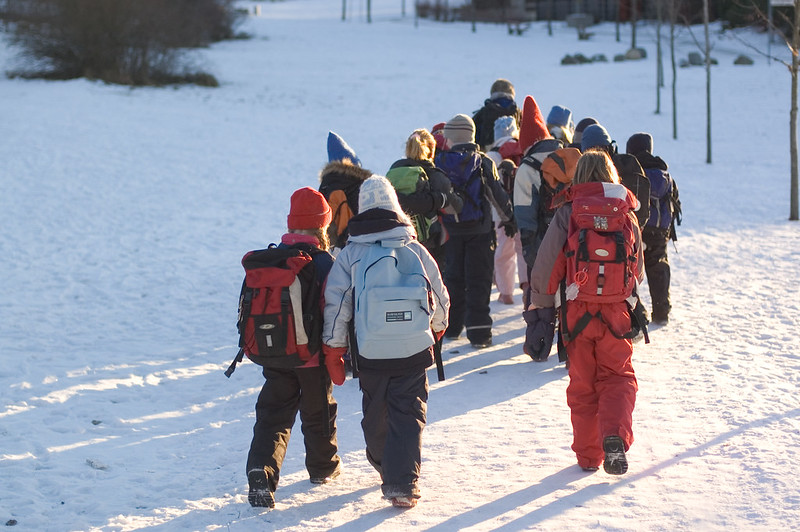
124	214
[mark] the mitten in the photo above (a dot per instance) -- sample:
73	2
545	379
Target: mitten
539	333
510	227
438	334
335	363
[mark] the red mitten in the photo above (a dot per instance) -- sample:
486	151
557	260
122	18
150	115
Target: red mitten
335	363
438	334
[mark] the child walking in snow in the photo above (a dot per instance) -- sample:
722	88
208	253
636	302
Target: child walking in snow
306	388
391	369
595	316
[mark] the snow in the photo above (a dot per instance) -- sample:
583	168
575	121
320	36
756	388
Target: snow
125	212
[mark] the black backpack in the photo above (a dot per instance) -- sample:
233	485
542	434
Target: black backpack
633	177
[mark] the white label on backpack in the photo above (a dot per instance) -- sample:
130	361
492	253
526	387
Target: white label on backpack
398	316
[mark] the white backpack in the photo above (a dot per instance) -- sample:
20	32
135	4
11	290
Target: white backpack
393	302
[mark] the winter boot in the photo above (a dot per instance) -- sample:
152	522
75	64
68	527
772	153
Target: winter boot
404	502
260	496
615	462
325	480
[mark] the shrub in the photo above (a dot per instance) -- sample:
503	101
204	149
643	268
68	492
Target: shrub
133	42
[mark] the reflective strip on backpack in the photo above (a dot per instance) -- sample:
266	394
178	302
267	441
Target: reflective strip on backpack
296	296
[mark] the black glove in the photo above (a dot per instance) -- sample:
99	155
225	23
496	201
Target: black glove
510	227
539	333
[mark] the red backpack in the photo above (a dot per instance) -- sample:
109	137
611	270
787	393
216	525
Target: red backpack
598	261
280	317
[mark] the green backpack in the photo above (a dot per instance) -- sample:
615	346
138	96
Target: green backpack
406	180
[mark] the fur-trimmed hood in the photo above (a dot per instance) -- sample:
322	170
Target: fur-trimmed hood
345	171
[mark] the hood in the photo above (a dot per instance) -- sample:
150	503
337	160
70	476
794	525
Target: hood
378	224
648	160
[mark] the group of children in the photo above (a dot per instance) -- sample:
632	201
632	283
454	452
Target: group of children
475	201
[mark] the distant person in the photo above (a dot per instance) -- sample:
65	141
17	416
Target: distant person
577	135
307	388
430	195
560	125
373	283
630	172
509	265
339	182
469	252
500	103
660	227
536	143
595	320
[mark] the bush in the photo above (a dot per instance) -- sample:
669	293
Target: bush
132	42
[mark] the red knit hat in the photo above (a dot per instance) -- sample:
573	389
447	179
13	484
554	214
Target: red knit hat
309	210
533	127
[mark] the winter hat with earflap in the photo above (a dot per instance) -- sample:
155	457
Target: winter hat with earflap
378	193
338	150
638	143
505	126
594	136
308	210
459	130
501	88
560	116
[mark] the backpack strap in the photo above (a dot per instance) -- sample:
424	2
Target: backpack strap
245	297
584	320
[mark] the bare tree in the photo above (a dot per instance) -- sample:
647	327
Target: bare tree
705	48
708	82
673	8
659	55
793	44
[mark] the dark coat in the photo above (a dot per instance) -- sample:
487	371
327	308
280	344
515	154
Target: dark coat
340	182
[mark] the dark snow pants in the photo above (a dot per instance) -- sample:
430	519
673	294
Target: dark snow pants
469	265
284	393
395	409
656	267
602	385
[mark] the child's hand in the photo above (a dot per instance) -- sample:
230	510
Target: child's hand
334	361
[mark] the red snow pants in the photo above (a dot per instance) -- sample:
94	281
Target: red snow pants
602	386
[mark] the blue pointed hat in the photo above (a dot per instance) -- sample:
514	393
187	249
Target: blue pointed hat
338	150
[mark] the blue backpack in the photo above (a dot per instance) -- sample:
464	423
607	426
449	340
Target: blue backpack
465	172
661	185
393	302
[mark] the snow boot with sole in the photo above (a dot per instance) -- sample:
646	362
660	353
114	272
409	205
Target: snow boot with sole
615	462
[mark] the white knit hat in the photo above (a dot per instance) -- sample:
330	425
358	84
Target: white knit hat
378	193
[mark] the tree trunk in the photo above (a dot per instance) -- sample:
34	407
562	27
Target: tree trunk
344	9
708	83
659	56
369	11
672	14
633	23
550	17
793	193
